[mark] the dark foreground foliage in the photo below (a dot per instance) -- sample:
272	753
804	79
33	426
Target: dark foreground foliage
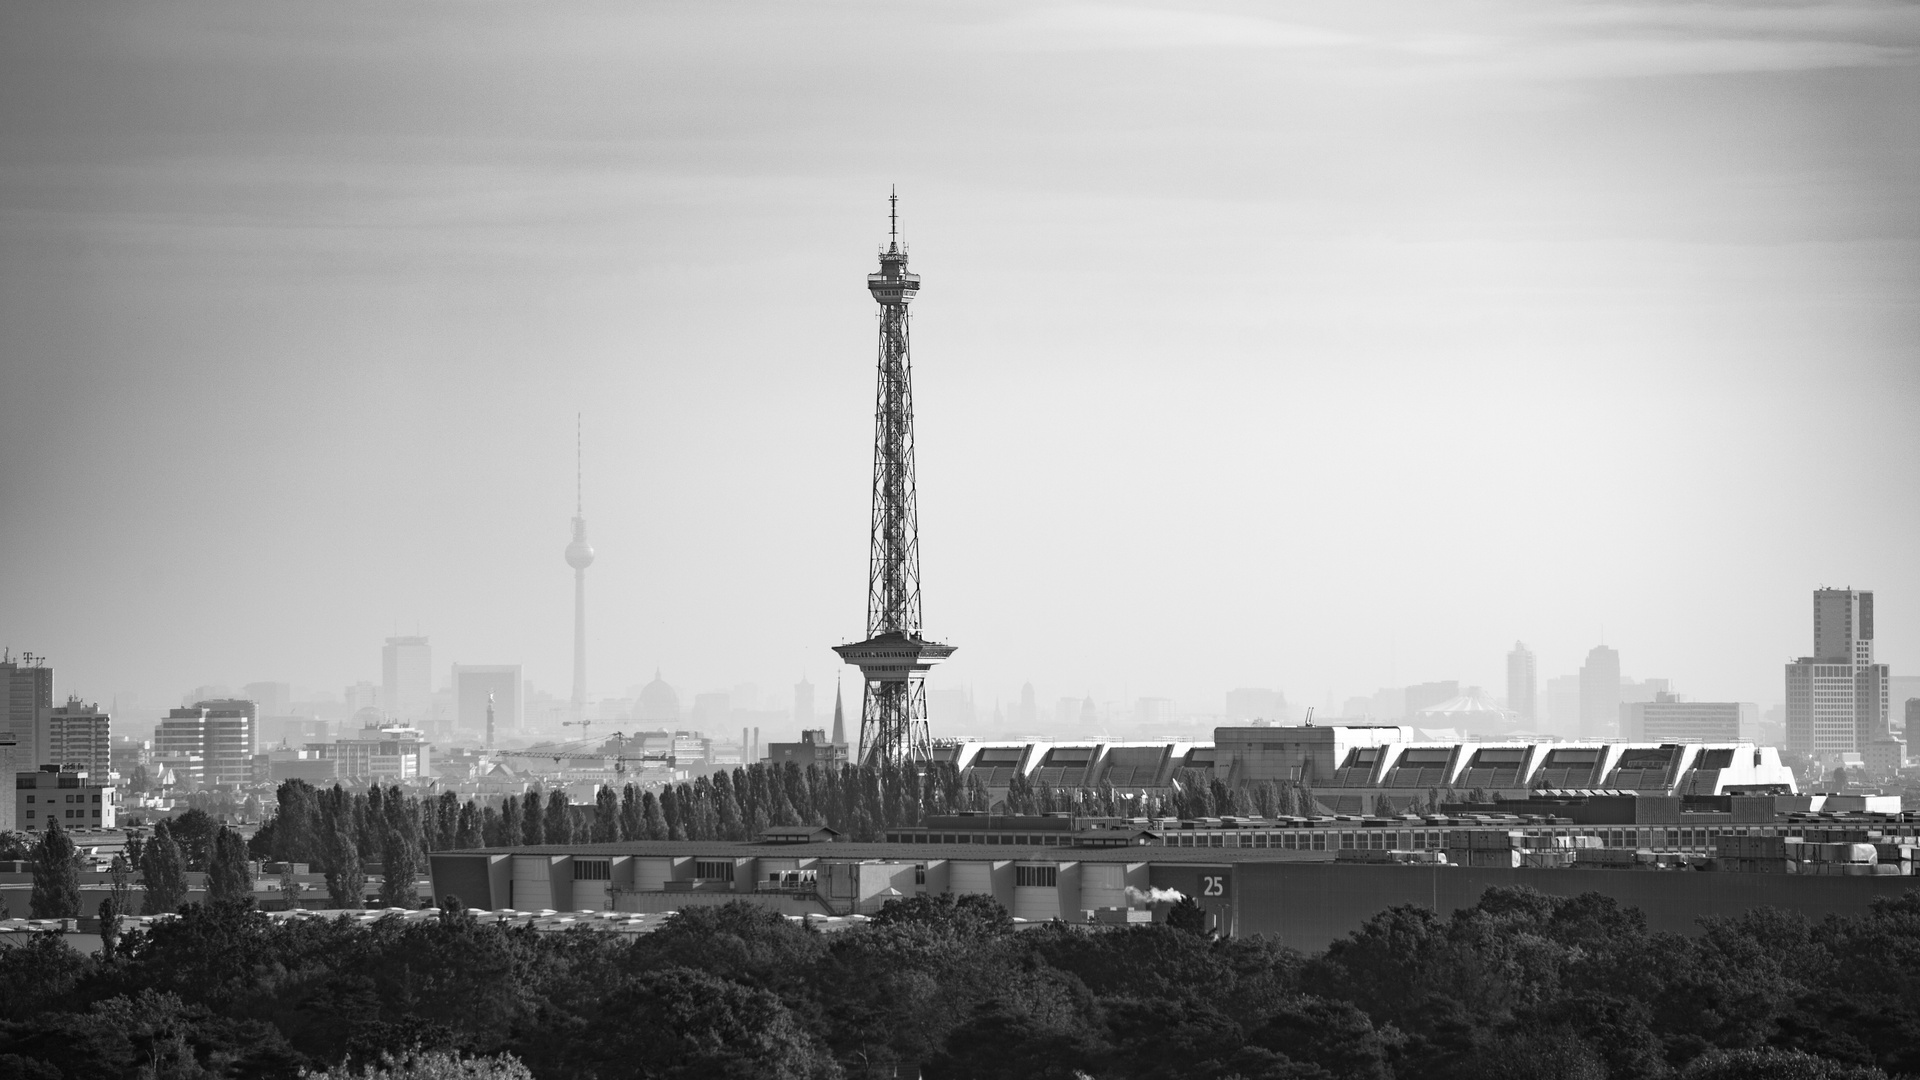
1521	985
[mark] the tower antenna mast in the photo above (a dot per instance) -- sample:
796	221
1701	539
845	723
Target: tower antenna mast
895	657
579	556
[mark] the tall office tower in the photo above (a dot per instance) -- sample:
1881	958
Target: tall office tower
1563	705
1255	703
1523	684
29	694
895	657
1600	693
579	556
79	736
803	704
1029	708
472	683
274	698
406	679
209	743
1838	698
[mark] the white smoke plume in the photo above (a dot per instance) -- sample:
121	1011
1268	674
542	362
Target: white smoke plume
1155	896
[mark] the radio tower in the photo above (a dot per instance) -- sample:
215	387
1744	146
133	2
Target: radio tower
579	556
895	658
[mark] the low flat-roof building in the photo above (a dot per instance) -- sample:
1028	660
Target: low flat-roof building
69	796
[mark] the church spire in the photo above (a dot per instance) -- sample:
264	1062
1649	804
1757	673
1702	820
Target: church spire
839	718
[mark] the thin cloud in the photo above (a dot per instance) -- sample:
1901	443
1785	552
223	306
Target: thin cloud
1078	28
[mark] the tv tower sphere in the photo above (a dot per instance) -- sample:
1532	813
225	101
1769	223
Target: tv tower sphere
579	553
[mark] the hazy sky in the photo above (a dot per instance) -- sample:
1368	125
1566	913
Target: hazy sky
1318	346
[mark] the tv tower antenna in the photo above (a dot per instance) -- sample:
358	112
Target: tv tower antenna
895	657
579	556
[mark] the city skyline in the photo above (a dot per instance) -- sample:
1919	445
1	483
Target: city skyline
1406	293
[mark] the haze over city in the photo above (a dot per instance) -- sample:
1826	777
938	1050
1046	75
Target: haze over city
1301	347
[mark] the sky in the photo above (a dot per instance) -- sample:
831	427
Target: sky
1317	346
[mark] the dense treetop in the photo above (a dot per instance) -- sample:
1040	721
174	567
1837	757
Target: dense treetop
1520	985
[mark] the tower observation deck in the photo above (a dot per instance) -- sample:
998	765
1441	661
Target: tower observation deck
895	657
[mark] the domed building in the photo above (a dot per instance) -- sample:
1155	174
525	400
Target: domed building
657	704
1472	713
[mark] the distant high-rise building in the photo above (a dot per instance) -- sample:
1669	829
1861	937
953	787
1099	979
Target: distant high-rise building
1667	719
1523	684
1563	705
209	744
79	736
1029	708
1089	712
274	698
406	679
1423	696
1066	711
472	683
1838	698
1600	693
10	763
28	683
361	695
1153	711
803	704
1255	703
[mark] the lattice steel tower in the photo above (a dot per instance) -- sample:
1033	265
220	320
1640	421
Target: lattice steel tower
895	658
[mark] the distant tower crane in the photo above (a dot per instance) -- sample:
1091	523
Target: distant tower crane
895	657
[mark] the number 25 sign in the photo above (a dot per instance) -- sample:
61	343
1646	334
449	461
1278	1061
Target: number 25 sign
1213	885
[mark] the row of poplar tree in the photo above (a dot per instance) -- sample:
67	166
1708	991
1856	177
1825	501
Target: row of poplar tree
347	835
340	831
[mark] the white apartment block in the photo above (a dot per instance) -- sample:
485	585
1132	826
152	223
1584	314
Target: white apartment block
1667	719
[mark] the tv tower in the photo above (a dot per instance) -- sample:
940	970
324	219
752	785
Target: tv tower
895	658
579	556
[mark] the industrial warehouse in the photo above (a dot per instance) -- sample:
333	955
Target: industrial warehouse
1305	881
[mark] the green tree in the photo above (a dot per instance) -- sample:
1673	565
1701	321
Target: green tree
466	833
296	823
653	821
606	816
559	818
509	824
400	864
163	872
1770	1064
685	1023
966	915
56	875
229	879
120	884
532	826
1186	914
346	879
632	814
193	831
109	916
428	1065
